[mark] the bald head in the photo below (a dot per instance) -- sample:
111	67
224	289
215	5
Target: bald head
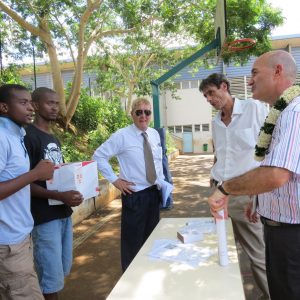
281	57
272	73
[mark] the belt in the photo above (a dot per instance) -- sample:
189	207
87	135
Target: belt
150	188
272	223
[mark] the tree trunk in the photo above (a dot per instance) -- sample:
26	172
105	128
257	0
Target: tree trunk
57	79
129	97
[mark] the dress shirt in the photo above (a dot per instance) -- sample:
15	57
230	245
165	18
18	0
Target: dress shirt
234	144
15	218
283	204
127	145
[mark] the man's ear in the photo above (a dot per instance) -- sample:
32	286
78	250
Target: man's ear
224	86
3	108
278	70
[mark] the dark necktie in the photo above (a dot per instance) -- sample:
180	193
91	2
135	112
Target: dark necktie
149	162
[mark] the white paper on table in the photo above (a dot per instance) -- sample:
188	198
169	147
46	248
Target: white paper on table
166	189
222	240
173	250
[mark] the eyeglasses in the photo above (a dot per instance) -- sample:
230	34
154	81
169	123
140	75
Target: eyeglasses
139	112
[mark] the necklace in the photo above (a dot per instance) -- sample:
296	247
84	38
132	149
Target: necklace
265	134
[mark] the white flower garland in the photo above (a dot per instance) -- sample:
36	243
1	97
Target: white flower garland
265	134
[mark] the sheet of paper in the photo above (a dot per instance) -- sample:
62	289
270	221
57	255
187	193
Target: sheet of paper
166	189
173	250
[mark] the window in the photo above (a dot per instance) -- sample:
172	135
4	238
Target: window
197	127
194	84
187	128
205	127
185	84
178	129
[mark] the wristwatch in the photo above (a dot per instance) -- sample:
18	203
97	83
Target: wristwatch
221	189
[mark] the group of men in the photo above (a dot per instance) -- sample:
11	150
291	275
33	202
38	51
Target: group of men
30	227
26	161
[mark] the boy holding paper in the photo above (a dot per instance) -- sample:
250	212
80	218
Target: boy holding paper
52	234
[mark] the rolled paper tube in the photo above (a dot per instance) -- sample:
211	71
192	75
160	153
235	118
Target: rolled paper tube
222	240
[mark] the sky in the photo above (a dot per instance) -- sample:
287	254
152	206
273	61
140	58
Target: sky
290	10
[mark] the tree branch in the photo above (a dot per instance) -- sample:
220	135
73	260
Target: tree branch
67	39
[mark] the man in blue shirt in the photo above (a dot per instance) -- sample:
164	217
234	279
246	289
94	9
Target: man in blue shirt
18	279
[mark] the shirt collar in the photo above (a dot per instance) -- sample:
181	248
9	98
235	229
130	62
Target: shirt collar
137	130
237	107
13	127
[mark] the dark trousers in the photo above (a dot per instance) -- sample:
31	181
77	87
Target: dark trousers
283	261
140	215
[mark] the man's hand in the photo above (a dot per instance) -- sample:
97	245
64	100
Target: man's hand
44	170
124	186
70	198
251	215
218	201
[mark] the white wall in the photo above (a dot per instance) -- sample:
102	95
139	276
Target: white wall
191	109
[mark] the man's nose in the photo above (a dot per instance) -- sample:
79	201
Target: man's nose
209	99
30	106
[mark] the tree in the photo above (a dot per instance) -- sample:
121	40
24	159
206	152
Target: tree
62	24
75	26
131	65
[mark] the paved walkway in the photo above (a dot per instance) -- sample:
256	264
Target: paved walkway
96	267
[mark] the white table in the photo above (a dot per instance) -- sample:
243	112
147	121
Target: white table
147	279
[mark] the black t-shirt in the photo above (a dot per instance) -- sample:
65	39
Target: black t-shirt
41	145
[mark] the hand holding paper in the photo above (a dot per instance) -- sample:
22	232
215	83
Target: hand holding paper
218	201
71	198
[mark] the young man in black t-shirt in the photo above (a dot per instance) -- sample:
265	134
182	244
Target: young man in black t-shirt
52	233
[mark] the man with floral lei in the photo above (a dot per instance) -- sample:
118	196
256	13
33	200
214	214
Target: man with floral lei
277	180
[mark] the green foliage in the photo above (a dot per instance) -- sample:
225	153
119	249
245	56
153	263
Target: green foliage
87	115
95	120
11	75
73	147
170	144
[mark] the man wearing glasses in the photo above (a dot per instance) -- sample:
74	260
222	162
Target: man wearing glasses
139	153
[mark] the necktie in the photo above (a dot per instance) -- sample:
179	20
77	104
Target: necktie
149	162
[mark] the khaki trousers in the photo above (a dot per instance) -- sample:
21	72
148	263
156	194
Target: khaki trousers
18	280
250	237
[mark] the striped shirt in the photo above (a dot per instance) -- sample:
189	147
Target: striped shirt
283	204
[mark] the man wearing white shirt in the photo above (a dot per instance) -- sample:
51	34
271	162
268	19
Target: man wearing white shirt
235	130
140	196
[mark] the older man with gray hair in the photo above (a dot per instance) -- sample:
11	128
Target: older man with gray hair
139	153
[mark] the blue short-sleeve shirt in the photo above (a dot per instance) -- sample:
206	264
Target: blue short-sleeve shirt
15	218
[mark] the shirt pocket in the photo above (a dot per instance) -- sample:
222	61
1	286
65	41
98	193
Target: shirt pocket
244	139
